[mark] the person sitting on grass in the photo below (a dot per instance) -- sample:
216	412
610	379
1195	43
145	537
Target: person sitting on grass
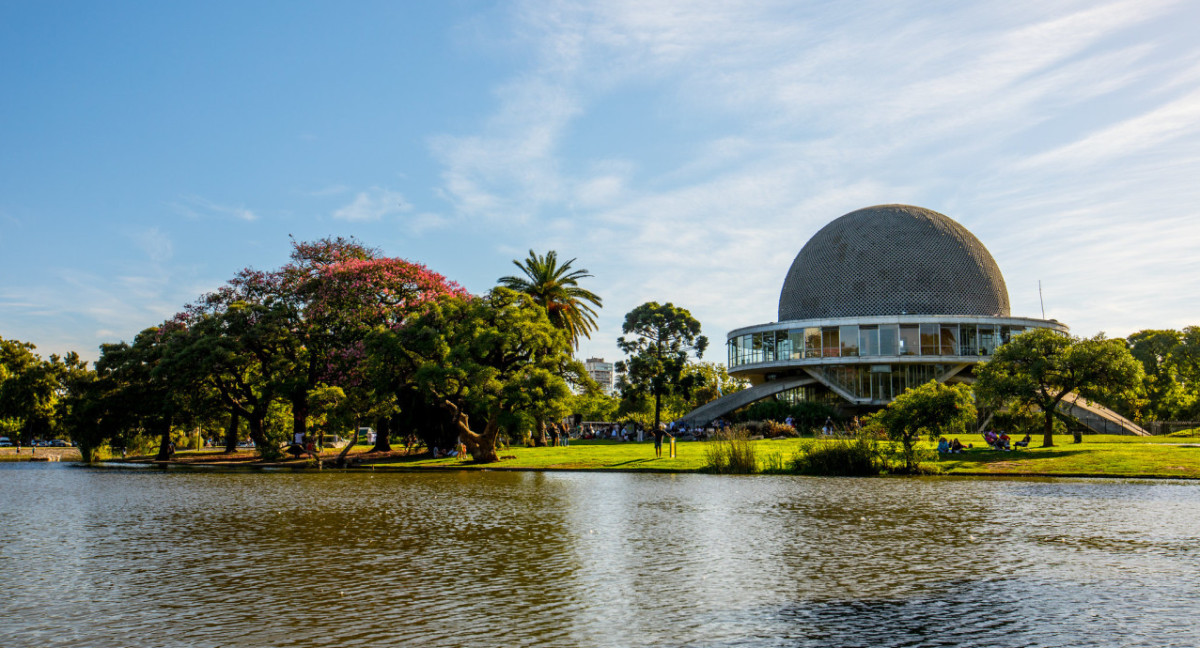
943	446
956	446
1024	442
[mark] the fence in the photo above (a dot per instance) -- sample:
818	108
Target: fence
1167	427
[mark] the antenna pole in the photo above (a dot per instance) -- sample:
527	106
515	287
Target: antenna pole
1040	300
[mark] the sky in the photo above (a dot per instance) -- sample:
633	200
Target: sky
681	152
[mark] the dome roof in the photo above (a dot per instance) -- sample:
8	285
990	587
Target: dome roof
893	259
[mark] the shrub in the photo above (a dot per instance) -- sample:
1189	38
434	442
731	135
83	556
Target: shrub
858	456
730	453
775	462
776	429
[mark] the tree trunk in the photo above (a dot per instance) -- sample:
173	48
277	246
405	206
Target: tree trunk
383	435
1048	431
481	446
539	435
231	433
164	447
657	408
300	414
258	435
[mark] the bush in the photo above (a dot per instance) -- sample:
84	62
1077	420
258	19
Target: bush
854	457
730	453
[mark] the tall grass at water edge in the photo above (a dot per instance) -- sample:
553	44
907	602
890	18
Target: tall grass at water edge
730	453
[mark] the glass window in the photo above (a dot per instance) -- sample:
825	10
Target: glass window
768	346
968	340
930	343
812	342
868	340
830	347
731	352
756	347
987	339
796	344
910	339
849	338
889	341
950	339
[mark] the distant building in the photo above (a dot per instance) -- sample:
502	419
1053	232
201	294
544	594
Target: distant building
602	372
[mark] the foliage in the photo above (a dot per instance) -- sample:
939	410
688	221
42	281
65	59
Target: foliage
927	411
595	406
658	341
859	456
730	452
712	381
1171	364
556	288
29	388
1040	367
489	358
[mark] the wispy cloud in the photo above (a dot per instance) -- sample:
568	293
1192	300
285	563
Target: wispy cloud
155	243
197	207
373	205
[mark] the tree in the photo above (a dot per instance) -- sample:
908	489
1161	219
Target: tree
556	289
293	332
927	411
1040	367
1164	396
29	389
662	336
481	361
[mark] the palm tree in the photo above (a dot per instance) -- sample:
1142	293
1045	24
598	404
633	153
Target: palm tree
556	288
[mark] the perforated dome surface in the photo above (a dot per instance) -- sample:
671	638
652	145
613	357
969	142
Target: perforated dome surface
889	260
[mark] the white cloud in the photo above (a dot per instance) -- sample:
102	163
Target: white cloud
197	207
373	205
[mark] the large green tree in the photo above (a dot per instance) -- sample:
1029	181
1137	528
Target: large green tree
1040	367
482	362
926	411
658	340
556	288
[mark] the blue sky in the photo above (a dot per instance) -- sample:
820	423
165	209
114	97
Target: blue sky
682	151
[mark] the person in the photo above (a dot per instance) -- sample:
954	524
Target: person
827	428
789	421
1003	441
956	446
1024	442
659	433
943	446
566	438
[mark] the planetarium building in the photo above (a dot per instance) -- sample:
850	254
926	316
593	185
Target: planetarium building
879	300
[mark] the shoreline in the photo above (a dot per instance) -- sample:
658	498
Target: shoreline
1099	457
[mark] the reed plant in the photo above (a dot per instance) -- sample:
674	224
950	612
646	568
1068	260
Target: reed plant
858	456
730	453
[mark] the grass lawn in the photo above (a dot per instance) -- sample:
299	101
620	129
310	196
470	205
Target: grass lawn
1108	455
1111	455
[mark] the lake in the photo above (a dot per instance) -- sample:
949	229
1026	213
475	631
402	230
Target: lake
126	558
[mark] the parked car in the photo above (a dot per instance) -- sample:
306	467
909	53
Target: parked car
59	443
5	442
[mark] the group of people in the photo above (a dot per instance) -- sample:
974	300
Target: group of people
996	440
952	447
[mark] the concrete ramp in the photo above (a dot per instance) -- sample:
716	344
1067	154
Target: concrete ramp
730	402
1098	418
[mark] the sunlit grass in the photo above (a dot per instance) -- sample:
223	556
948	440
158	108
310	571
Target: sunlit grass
1110	455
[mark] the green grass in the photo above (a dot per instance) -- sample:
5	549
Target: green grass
1107	455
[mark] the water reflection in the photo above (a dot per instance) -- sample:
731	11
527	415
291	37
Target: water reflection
147	558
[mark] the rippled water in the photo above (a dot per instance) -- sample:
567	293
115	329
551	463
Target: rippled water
130	558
